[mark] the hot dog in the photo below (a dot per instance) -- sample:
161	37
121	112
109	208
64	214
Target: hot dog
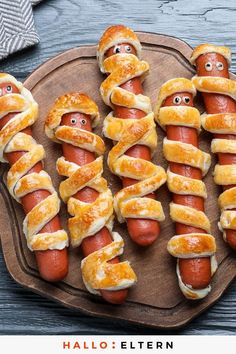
52	263
213	62
197	271
74	153
194	273
87	194
143	231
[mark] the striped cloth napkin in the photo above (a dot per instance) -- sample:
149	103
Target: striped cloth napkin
17	29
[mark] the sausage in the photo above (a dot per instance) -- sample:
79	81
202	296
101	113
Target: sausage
87	194
142	231
197	271
216	103
52	264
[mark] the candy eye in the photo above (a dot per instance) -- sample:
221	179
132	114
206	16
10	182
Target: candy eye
208	66
176	100
9	89
83	121
220	65
127	49
73	120
116	50
186	99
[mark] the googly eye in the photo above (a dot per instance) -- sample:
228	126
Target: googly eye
116	50
176	100
186	99
9	89
83	121
73	120
208	66
220	65
127	49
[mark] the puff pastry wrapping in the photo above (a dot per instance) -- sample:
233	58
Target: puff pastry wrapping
194	245
88	218
19	181
126	133
220	123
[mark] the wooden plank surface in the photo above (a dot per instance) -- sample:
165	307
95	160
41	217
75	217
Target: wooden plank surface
63	24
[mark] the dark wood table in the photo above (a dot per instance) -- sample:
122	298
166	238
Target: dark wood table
63	24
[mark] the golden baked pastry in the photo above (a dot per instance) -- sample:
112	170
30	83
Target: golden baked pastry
220	123
19	181
192	245
88	218
126	133
209	48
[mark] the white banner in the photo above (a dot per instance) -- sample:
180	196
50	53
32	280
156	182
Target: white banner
117	344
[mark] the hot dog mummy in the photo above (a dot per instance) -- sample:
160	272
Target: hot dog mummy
88	198
219	95
28	183
131	126
193	245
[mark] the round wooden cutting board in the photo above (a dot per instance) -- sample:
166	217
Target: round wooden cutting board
156	299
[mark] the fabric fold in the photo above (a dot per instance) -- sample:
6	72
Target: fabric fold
17	30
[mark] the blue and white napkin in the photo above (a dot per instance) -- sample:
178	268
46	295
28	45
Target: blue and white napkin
17	30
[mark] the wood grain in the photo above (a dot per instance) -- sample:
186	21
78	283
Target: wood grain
24	312
63	24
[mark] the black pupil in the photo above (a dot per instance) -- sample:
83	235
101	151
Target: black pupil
177	99
8	88
187	99
83	121
208	65
117	50
128	49
73	121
